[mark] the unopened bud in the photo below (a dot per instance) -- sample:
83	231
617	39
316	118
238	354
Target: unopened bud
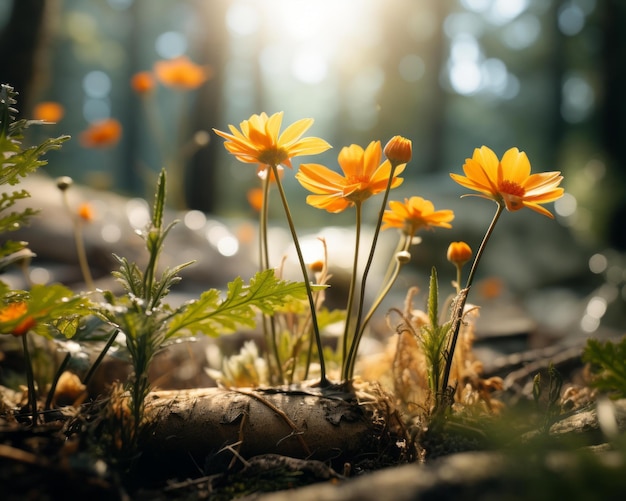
399	150
64	182
403	257
459	253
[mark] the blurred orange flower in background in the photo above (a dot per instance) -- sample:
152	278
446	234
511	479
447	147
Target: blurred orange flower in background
142	82
102	134
181	73
363	177
14	311
48	111
85	212
414	214
255	198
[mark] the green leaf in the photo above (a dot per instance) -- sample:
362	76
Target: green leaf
130	276
159	201
608	364
210	316
55	309
433	299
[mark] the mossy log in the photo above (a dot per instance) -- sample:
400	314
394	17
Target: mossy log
206	428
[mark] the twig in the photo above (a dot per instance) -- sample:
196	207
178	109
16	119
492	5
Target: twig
295	431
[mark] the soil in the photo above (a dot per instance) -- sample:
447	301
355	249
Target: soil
193	452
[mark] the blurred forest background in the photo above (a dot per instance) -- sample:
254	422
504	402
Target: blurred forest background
546	76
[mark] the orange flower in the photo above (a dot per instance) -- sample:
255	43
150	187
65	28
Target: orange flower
415	213
259	142
85	212
17	311
181	73
509	181
48	111
459	253
142	82
364	176
102	134
255	198
399	150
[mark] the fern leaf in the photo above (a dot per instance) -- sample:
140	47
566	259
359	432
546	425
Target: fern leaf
608	361
213	317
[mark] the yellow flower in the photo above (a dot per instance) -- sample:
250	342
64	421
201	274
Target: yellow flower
259	141
459	253
509	181
414	214
363	177
399	150
17	311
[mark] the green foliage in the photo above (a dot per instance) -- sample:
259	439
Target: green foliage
147	321
212	315
608	363
54	308
547	394
434	337
16	162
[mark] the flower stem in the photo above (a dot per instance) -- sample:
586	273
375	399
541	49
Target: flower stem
269	324
356	339
80	246
459	271
294	236
55	381
102	354
457	317
357	244
349	373
30	379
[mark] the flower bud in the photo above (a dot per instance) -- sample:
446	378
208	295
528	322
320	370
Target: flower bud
399	150
403	257
64	182
459	253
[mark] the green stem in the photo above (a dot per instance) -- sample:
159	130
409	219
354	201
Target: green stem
459	268
80	246
353	278
294	236
379	299
368	265
462	298
101	356
55	381
269	323
30	379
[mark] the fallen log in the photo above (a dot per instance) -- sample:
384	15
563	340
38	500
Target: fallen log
206	428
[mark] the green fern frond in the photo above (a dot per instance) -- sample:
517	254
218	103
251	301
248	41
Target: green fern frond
608	365
212	316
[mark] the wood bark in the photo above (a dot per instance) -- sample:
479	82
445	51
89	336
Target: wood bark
211	426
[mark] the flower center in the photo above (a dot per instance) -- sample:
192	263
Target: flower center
512	194
273	156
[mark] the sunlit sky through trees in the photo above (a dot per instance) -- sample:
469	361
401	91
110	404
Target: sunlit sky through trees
450	75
